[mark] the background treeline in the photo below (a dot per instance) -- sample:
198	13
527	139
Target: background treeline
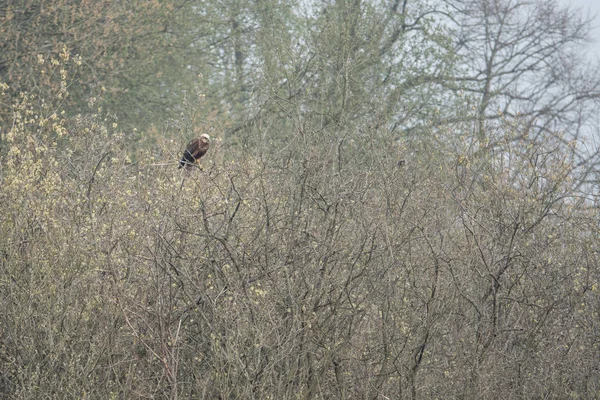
399	200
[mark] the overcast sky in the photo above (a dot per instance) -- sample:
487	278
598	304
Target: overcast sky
593	7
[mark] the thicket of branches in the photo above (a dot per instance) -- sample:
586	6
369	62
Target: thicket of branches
361	227
330	270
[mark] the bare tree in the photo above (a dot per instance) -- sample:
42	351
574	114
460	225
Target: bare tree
525	58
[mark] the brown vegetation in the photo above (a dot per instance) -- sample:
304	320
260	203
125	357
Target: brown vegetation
388	209
327	271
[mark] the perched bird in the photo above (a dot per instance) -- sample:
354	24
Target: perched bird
194	150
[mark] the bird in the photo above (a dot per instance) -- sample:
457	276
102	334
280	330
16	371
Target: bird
195	149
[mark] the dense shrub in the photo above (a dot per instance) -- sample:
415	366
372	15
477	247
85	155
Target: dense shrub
327	270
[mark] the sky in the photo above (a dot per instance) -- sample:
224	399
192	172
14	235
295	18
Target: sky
593	7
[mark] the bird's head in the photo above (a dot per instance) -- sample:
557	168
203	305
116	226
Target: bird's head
204	138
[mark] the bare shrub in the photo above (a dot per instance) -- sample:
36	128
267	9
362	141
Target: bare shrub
328	270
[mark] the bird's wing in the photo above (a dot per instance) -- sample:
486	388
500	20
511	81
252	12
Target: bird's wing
188	154
199	149
193	145
191	150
